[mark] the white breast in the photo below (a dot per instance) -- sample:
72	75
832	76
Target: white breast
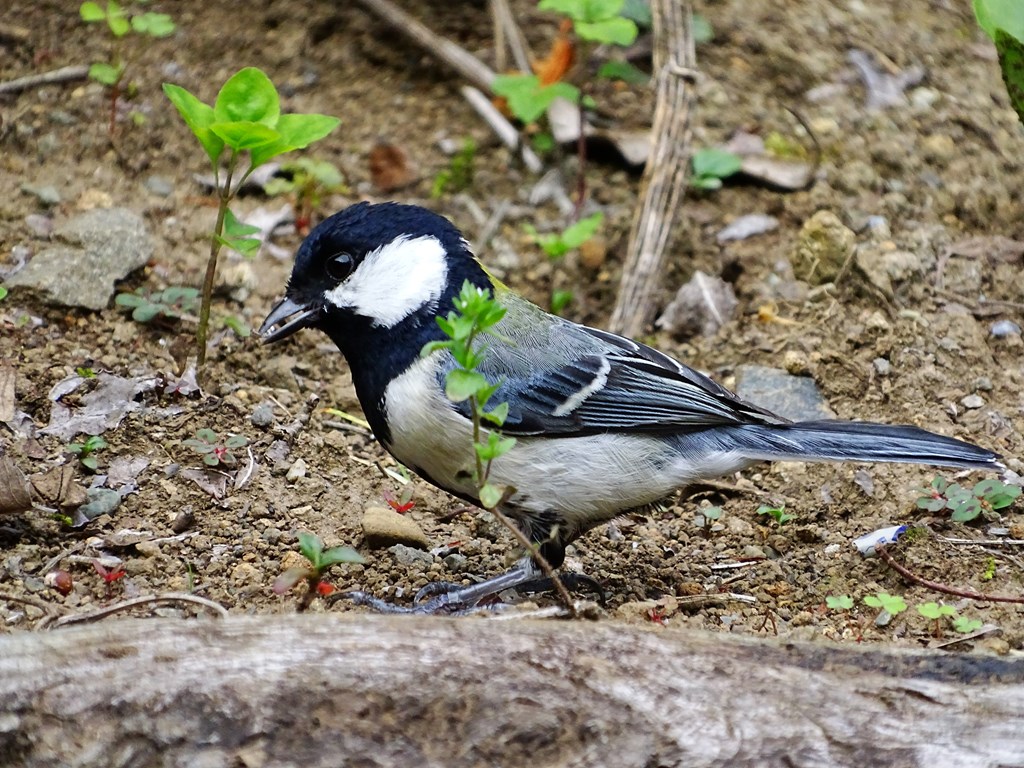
586	479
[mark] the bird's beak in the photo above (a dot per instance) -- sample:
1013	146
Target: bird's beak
285	319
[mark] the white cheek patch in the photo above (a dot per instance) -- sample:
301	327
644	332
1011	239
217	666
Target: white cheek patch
395	281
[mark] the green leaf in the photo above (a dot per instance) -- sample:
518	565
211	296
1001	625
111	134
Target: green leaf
433	346
290	578
236	228
640	12
965	626
987	487
1005	15
206	434
940	484
584	229
715	163
153	24
89	462
236	441
106	74
129	300
91	12
624	71
701	30
527	98
116	19
490	495
198	116
248	96
299	131
240	328
560	300
462	384
617	31
497	415
245	134
965	510
931	503
311	547
247	246
210	459
336	555
839	603
145	312
1011	61
3	292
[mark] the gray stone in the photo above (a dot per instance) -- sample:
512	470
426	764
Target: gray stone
1003	328
793	397
159	186
263	415
747	226
972	402
100	247
411	556
47	194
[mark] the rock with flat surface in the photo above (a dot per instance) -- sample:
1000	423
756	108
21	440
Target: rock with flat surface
95	249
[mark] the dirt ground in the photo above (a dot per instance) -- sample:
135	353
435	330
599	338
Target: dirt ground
935	170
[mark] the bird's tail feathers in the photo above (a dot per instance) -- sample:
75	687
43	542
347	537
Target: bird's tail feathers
860	441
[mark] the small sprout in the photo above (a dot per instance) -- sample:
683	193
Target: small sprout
560	300
3	291
308	181
778	514
965	626
320	560
404	502
86	451
935	612
458	176
839	602
109	575
710	166
891	604
85	372
171	303
556	245
990	569
214	451
965	504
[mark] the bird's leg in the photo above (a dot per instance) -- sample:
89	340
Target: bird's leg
453	599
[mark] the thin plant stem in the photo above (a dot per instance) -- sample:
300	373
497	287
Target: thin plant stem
224	198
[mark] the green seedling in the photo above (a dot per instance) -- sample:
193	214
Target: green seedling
476	314
965	626
1003	21
458	176
708	516
121	21
839	602
710	166
86	451
965	503
935	612
558	244
244	121
214	451
3	291
990	569
560	299
171	303
891	604
320	560
307	181
778	514
85	372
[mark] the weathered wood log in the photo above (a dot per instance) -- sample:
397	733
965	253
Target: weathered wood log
326	690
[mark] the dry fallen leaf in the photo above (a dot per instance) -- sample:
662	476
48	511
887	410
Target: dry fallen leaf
553	67
15	495
390	168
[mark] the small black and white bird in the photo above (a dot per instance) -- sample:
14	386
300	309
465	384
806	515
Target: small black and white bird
603	424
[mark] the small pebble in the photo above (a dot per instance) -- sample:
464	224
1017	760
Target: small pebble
882	366
183	521
262	416
382	527
1003	328
410	555
41	226
295	471
455	562
159	186
972	401
46	193
983	384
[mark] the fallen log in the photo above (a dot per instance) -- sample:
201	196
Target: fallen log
333	690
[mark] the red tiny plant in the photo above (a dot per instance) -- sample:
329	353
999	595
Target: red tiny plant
320	559
403	503
109	575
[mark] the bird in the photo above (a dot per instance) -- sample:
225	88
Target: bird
603	424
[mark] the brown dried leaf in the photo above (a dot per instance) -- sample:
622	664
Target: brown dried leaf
554	66
390	168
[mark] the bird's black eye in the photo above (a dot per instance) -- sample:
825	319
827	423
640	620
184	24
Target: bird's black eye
339	266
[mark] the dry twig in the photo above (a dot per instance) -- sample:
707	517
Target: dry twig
62	75
667	168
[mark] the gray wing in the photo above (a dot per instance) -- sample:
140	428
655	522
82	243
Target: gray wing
578	380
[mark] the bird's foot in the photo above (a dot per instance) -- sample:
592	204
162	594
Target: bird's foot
443	598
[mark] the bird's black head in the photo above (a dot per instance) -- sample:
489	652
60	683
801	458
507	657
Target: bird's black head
373	266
